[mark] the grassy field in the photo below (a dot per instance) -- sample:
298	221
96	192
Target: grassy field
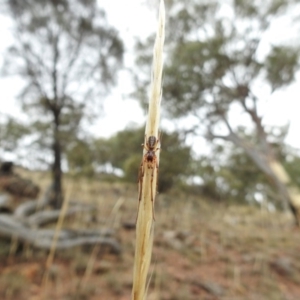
202	250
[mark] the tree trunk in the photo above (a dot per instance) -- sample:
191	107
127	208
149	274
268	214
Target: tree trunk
274	170
265	159
283	183
57	196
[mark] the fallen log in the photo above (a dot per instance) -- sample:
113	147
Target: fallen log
23	224
29	207
49	216
42	238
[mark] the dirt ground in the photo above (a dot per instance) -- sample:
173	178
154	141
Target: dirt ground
202	250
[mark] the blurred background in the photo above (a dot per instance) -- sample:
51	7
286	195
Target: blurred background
74	79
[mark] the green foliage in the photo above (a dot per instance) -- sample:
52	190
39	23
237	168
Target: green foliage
197	76
124	151
11	132
291	162
281	65
80	158
175	161
235	178
246	8
121	146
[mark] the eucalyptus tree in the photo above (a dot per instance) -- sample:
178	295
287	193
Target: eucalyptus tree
234	178
67	55
217	64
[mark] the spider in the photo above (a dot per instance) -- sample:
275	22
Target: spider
149	161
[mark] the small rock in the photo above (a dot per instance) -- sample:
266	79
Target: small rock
5	203
283	266
102	267
54	271
128	225
211	287
247	258
170	234
170	238
183	235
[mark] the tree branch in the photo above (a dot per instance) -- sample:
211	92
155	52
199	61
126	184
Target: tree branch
73	58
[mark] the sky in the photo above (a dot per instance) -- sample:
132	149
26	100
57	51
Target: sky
127	16
134	18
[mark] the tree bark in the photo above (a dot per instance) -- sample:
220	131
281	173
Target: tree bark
43	238
57	197
25	222
266	161
284	185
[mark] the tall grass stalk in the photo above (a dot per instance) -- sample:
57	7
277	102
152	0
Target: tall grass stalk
144	224
96	248
58	228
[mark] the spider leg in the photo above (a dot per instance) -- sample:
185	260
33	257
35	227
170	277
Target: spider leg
151	191
158	139
154	165
140	184
145	142
140	179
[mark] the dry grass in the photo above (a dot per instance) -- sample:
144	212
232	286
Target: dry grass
58	227
244	251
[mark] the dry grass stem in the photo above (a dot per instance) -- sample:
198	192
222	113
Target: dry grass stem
93	257
58	228
145	225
